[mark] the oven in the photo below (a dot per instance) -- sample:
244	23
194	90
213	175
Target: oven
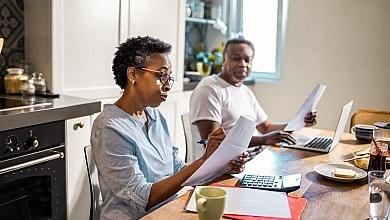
32	172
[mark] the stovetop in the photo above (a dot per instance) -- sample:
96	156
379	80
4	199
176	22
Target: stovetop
7	104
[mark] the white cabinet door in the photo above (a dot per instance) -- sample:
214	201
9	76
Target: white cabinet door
86	33
77	134
164	19
176	104
85	36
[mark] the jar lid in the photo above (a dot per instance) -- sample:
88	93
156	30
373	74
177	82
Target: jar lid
15	70
385	125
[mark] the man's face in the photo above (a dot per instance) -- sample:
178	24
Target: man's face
237	63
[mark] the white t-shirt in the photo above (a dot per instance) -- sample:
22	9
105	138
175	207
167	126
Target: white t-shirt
216	100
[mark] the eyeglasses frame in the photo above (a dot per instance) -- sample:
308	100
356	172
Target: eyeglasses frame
170	79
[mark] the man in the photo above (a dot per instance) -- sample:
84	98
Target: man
219	100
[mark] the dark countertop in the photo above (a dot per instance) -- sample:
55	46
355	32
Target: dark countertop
62	108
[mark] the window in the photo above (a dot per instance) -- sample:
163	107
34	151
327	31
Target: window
263	23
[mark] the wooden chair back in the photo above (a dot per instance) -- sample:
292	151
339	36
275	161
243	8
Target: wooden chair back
369	116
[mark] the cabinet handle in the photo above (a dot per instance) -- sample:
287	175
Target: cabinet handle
78	125
119	22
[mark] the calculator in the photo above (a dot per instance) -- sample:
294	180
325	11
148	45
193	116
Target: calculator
287	183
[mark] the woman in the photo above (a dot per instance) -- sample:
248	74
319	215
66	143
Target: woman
137	162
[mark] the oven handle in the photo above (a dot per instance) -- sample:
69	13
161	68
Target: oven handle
57	155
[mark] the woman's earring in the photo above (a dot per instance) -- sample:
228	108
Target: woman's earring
132	81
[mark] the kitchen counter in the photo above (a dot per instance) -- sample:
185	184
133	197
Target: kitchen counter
54	109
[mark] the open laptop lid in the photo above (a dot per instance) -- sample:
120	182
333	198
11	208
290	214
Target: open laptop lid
341	124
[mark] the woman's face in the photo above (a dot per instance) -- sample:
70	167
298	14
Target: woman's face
149	87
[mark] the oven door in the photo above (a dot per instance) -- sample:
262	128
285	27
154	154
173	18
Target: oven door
32	186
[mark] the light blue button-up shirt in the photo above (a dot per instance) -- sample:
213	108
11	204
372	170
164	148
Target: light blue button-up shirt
130	158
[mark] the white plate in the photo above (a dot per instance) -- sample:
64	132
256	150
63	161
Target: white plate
365	151
327	170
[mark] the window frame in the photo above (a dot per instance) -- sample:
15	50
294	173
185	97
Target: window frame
280	45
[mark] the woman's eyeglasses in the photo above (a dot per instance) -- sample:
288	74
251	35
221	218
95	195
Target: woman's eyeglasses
162	75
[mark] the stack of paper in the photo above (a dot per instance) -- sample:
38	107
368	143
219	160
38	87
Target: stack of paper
252	202
234	144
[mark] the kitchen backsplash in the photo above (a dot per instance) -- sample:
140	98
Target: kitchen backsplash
12	30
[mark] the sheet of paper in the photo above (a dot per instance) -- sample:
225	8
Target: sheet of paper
234	144
309	105
254	202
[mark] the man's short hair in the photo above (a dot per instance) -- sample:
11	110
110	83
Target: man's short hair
239	40
136	52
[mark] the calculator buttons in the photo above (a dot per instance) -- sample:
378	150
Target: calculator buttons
275	183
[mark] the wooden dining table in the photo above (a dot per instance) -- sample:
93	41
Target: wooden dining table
326	198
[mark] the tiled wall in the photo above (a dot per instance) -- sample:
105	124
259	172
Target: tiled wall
12	30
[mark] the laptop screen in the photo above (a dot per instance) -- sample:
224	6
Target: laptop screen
341	124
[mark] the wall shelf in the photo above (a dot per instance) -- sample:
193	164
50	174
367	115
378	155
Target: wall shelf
200	20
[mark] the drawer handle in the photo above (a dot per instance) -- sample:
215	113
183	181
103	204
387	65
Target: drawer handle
78	125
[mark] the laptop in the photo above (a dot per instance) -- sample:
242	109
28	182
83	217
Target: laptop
324	144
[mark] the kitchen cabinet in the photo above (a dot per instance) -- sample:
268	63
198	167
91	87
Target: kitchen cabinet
77	135
176	104
163	19
86	34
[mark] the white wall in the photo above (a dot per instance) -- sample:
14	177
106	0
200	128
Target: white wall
344	44
37	39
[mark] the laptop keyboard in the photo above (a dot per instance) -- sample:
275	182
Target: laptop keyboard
319	143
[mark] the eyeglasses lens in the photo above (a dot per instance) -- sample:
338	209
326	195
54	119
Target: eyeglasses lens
164	78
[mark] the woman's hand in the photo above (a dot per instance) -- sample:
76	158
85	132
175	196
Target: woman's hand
213	141
278	136
238	165
311	119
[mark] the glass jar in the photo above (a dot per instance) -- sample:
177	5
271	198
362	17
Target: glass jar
378	156
14	80
39	83
382	134
28	88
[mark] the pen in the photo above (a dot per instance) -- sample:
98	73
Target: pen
202	141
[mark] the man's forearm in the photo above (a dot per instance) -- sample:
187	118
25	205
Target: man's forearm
257	141
269	127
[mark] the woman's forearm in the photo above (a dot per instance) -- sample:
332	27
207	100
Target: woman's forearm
165	188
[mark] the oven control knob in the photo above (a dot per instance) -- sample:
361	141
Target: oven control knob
11	143
31	143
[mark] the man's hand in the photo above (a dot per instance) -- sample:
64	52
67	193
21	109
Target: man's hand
278	136
238	165
311	119
213	141
253	152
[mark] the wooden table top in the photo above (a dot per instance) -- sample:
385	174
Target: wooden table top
326	199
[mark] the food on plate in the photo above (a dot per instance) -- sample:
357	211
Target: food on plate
362	162
344	173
